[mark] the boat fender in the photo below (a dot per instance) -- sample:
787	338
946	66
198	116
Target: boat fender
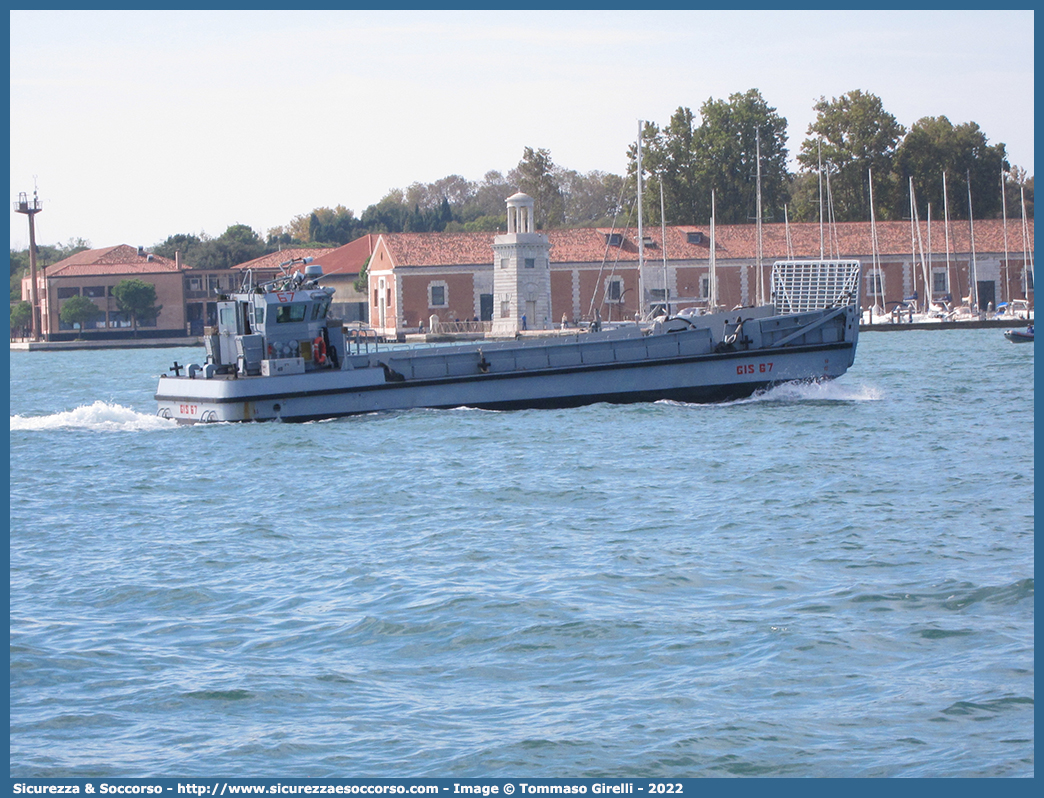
390	374
319	351
483	364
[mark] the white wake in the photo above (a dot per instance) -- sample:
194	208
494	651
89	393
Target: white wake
100	416
825	391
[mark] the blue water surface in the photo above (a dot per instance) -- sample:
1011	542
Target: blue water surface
827	580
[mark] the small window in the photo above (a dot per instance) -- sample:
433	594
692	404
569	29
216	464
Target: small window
259	315
530	263
694	238
437	297
505	310
65	293
503	263
615	290
939	282
705	287
875	284
291	313
614	239
94	291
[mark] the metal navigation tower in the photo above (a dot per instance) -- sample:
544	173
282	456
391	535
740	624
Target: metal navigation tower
30	209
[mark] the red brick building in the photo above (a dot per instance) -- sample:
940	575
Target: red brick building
93	274
413	276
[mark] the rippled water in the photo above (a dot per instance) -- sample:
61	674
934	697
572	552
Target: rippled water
823	581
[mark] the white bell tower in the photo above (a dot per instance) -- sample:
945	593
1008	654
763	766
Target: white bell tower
521	272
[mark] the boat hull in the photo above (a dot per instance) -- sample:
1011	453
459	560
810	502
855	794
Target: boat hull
1019	336
549	376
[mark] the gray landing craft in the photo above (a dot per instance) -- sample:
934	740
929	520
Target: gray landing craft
276	356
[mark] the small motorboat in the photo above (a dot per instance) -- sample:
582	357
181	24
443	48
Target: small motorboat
1020	336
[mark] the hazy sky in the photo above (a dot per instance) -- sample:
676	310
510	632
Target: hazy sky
138	125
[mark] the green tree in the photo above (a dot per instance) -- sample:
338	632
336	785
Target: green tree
79	310
721	153
137	298
671	156
45	256
21	317
728	141
238	244
933	146
1019	186
183	245
388	215
856	135
592	199
535	176
362	282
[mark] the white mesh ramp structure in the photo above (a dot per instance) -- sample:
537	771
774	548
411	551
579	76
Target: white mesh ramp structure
799	286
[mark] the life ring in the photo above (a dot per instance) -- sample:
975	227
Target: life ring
319	351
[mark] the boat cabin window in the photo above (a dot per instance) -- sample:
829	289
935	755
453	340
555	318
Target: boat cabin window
259	315
319	310
227	316
295	311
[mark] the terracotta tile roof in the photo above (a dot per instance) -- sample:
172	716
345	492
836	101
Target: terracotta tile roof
588	245
272	260
121	259
439	249
348	259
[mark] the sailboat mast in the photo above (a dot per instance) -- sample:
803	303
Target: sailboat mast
641	240
973	275
946	230
920	249
663	246
821	198
928	292
913	245
875	257
1004	215
713	263
1027	271
761	271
